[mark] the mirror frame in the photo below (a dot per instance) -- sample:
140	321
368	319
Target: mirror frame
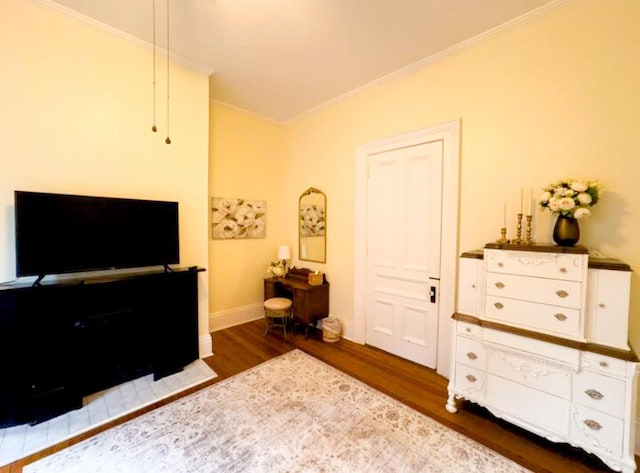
323	259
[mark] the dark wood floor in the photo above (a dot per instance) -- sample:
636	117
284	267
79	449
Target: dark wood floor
239	348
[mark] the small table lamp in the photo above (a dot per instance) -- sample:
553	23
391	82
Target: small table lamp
283	255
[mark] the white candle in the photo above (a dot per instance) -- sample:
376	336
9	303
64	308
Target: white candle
521	194
531	203
504	216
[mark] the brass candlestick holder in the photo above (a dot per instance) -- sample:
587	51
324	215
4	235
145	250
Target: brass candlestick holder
528	240
503	238
518	239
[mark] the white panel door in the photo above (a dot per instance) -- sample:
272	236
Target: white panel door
403	254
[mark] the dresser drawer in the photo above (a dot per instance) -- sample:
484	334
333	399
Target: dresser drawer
534	407
551	352
604	364
600	392
530	372
464	328
541	290
596	431
540	317
570	267
471	352
470	381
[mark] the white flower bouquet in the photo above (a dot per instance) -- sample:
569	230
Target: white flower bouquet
276	268
571	197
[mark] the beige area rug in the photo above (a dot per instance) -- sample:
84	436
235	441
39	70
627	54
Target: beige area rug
290	414
98	409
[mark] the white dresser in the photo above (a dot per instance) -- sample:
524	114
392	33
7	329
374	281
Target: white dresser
540	339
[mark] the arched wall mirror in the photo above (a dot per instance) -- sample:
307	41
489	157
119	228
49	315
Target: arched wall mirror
312	227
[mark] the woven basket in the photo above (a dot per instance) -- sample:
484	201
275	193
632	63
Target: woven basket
331	328
330	336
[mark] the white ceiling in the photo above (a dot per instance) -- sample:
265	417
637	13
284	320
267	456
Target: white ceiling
280	58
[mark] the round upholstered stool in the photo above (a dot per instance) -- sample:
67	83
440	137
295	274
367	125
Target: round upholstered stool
277	312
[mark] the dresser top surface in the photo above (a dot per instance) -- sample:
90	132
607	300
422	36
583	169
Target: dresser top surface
578	249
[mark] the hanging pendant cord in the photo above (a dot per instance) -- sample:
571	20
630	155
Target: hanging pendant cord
153	127
168	140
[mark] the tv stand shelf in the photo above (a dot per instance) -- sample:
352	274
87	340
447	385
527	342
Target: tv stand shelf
65	339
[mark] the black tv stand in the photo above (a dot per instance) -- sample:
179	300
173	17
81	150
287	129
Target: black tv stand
63	340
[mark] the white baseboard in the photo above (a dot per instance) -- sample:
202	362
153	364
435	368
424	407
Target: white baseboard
347	330
205	346
240	315
229	318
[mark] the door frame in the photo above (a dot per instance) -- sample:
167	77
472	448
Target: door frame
449	134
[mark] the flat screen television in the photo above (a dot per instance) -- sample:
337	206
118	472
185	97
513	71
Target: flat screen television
61	233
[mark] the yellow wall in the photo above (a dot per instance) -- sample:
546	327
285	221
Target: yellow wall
248	160
76	115
555	97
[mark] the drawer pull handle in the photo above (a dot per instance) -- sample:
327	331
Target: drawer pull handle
473	286
592	424
563	270
499	285
468	329
560	317
593	394
498	305
562	293
602	306
472	356
500	265
604	364
471	378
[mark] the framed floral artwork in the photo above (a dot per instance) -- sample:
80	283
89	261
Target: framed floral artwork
238	218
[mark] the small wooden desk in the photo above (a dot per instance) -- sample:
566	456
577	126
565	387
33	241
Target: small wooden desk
310	303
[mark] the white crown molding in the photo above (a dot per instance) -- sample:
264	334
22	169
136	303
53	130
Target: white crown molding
416	66
77	16
273	121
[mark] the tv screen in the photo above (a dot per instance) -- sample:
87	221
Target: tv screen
59	233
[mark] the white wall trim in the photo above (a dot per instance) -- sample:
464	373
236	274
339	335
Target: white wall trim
77	16
449	134
236	316
205	345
